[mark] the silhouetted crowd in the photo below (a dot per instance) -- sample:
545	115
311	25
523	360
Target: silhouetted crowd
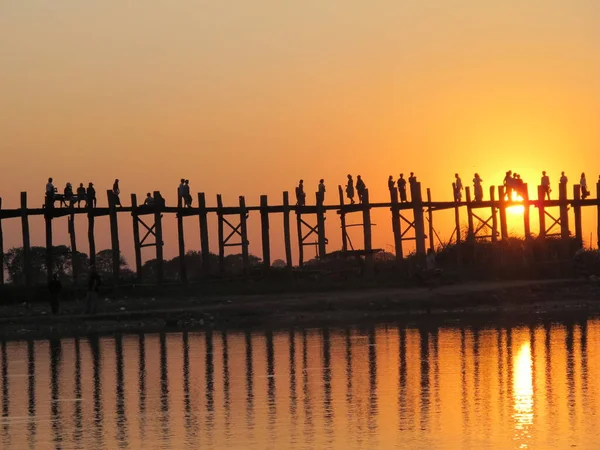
82	194
514	187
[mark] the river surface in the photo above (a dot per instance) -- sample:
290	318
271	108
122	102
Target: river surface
368	388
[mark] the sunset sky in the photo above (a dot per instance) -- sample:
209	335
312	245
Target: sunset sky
245	98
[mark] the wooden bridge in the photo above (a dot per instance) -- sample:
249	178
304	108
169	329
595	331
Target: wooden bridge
486	220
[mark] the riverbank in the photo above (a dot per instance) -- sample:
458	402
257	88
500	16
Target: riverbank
487	301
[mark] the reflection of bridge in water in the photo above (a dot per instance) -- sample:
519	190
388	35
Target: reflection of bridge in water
352	388
408	220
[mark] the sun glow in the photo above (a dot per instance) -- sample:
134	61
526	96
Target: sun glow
516	210
523	395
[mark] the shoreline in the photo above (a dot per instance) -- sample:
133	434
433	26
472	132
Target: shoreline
488	302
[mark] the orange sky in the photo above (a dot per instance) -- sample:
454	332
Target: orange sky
245	98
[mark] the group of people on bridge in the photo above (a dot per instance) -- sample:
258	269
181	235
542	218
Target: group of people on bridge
70	197
401	185
477	188
301	195
358	189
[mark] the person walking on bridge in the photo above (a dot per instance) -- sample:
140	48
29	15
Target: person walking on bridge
545	183
402	188
350	189
391	183
458	187
187	197
508	185
361	187
300	195
478	188
584	188
116	192
180	197
321	190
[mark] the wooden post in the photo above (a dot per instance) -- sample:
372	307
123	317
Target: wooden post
264	227
430	218
91	239
526	224
366	210
286	230
299	229
564	210
396	224
26	240
577	213
471	235
322	240
204	245
74	256
158	207
343	220
1	247
503	223
221	234
114	236
456	216
417	201
136	238
244	232
48	220
181	239
494	214
597	213
542	211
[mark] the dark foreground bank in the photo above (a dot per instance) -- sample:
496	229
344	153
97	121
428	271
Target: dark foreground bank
490	301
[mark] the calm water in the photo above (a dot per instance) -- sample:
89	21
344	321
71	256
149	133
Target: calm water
383	387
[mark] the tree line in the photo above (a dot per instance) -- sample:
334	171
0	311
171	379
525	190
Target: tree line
62	265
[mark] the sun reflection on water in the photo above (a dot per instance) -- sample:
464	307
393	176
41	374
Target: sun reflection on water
523	395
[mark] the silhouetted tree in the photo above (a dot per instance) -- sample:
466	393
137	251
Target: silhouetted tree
104	263
61	263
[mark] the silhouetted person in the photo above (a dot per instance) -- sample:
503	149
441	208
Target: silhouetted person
160	201
585	193
300	195
321	190
50	190
412	183
478	188
68	191
116	192
54	286
187	197
360	188
94	282
350	189
391	183
508	185
149	200
563	178
90	195
458	187
412	179
180	194
545	183
80	195
402	188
